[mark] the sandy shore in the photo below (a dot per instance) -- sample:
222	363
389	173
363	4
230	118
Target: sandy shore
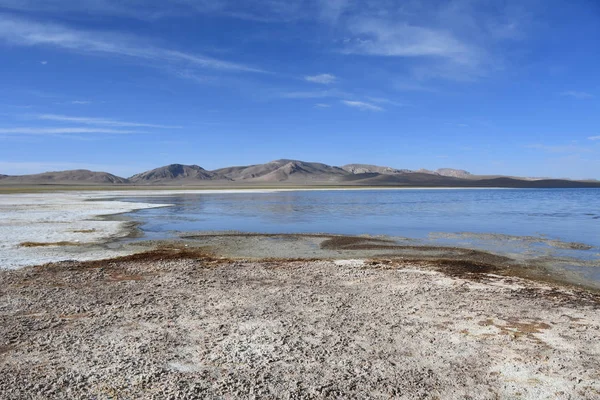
192	326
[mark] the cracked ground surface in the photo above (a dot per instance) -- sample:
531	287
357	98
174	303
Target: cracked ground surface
202	327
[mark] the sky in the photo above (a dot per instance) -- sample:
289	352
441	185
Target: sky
491	86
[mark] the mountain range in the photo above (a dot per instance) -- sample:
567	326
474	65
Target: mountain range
292	173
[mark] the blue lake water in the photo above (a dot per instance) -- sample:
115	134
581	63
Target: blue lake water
567	215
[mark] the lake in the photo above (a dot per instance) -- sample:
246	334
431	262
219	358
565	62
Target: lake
570	215
517	222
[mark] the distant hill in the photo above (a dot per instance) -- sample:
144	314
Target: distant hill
66	177
450	172
293	173
369	169
174	173
406	179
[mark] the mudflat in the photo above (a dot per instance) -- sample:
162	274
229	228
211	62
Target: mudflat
183	324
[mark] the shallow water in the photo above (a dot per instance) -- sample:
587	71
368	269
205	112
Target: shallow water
530	223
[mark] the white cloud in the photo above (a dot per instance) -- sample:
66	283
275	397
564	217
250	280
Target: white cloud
578	95
322	105
24	32
100	121
43	62
382	100
434	52
81	102
362	105
594	138
62	131
325	79
376	37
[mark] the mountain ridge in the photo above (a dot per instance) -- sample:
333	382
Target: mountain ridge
292	172
77	175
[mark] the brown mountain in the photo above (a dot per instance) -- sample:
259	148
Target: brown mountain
284	170
174	173
294	172
82	176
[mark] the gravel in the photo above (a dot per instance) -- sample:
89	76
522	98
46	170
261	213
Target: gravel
193	326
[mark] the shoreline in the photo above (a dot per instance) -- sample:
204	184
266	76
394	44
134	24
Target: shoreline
208	190
96	231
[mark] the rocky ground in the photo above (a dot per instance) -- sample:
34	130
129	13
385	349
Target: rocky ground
185	325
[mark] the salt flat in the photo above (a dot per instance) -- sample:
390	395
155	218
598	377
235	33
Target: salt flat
69	225
43	219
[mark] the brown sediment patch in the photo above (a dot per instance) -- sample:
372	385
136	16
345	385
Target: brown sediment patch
569	245
84	231
465	268
519	329
357	243
117	269
48	244
158	254
5	348
419	252
574	297
267	235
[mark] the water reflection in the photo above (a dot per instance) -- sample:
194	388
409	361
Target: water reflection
562	214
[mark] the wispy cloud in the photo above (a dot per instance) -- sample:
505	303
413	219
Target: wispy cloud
594	138
275	11
100	121
578	95
361	105
63	131
457	40
322	105
325	79
81	102
383	100
375	37
18	31
436	53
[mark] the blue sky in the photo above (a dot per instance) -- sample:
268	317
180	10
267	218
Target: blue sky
502	86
